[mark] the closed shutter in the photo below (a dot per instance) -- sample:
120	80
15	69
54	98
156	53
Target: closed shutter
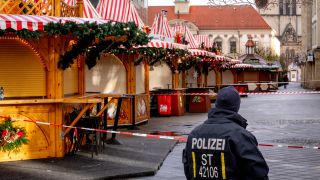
227	77
21	71
251	76
70	79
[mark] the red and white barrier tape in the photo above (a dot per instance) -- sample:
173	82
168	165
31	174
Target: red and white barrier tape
177	138
289	146
271	83
241	93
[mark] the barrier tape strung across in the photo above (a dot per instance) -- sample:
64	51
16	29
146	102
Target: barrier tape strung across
177	138
250	93
289	146
271	83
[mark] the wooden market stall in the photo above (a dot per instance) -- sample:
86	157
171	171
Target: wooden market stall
42	70
255	71
166	78
196	76
117	74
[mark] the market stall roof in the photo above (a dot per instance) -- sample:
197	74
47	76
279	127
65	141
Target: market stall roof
193	44
220	58
88	10
165	45
119	11
199	52
162	33
235	66
161	26
235	61
201	38
37	23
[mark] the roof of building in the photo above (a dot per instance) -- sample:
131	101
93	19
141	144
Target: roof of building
216	17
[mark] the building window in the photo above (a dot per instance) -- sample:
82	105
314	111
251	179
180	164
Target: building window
218	43
314	8
256	46
233	45
288	7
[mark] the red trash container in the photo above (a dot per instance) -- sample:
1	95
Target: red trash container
164	104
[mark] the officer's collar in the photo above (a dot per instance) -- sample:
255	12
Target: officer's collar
217	113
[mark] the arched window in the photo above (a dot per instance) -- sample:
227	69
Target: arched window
218	43
233	45
287	7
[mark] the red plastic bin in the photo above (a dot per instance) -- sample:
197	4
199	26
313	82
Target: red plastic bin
164	104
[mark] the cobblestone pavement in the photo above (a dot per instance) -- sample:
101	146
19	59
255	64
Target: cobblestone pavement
273	119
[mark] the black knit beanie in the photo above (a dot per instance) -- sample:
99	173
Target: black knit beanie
228	98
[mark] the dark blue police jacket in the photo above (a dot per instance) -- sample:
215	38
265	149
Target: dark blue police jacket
221	148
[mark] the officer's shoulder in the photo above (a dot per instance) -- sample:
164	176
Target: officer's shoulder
196	129
244	133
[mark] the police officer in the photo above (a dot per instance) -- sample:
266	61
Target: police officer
221	147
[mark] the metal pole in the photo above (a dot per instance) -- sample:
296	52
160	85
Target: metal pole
115	126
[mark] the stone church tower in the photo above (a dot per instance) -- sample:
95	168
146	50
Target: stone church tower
285	18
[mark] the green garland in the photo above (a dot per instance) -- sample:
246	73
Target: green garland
12	138
96	38
160	55
89	36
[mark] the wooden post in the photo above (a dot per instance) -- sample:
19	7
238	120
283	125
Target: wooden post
56	8
131	75
81	76
184	77
175	76
199	80
147	78
205	83
175	80
55	91
80	7
131	85
218	78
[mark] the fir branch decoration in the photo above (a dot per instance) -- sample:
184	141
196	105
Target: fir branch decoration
12	138
109	35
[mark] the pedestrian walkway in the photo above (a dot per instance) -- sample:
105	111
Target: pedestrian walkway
274	119
135	156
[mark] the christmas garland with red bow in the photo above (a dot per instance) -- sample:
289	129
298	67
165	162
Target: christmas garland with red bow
12	138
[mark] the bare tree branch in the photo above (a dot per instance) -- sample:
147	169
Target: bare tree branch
260	4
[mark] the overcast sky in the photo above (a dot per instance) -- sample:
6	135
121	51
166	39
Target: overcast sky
170	2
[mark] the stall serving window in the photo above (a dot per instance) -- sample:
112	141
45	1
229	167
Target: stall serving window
22	73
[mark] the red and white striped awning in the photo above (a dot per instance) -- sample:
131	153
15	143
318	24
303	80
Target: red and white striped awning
219	58
88	10
198	52
37	23
165	45
211	54
159	44
161	26
242	66
179	46
119	11
193	44
235	61
203	39
134	16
